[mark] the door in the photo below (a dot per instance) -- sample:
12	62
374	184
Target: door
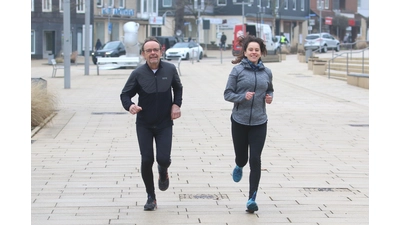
48	44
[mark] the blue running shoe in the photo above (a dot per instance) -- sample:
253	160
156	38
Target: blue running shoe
151	204
237	173
251	204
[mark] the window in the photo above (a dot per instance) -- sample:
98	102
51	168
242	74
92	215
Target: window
99	3
268	4
46	5
277	4
61	5
294	5
221	2
32	5
326	4
32	42
121	4
302	5
285	4
149	8
80	6
110	3
167	3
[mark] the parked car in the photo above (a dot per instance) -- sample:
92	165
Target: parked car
110	49
184	50
167	42
325	40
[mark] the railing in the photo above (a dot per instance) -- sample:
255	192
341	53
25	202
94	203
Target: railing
347	59
346	46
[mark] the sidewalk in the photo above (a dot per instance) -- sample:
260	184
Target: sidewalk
85	164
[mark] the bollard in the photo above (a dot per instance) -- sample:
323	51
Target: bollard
308	54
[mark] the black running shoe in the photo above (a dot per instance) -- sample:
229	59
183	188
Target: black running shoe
163	179
151	204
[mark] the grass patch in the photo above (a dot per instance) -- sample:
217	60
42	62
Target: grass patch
43	103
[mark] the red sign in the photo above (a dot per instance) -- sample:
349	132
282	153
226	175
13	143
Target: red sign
328	20
352	22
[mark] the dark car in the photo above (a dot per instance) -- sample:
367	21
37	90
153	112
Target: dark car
167	42
109	49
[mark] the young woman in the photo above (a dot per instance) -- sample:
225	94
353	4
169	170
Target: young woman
249	88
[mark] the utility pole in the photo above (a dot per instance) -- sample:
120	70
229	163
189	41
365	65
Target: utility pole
87	35
198	23
320	5
67	44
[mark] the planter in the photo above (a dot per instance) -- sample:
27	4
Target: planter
283	56
302	58
311	62
319	68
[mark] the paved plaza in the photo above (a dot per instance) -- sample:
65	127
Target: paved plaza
85	163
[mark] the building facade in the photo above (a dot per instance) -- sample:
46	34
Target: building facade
202	20
47	27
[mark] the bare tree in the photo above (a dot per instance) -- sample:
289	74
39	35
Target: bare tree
340	23
179	15
276	6
187	6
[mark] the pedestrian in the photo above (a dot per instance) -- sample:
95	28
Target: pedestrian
189	39
159	91
223	41
249	88
98	44
283	40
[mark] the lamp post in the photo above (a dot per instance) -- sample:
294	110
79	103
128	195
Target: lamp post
109	26
320	3
243	17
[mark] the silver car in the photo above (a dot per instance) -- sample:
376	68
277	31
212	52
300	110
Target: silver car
325	40
184	50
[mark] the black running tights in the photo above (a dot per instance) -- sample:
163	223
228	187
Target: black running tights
253	137
163	140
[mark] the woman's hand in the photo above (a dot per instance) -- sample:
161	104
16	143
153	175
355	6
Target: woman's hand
268	99
249	95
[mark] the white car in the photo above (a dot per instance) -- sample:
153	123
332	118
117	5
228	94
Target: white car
184	50
325	40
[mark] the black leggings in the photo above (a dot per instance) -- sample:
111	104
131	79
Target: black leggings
254	137
163	140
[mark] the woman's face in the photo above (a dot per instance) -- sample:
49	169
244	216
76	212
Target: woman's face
253	52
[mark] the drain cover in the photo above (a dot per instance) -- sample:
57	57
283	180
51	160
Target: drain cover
203	196
359	125
328	189
113	113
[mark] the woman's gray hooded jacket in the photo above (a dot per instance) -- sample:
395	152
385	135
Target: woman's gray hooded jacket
244	78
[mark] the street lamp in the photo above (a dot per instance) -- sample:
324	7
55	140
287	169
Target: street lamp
109	26
320	4
243	2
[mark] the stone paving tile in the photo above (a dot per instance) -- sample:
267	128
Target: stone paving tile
85	164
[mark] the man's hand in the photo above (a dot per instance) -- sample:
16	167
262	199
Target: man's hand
175	112
134	109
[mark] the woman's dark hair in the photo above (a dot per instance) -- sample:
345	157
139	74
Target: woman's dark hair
245	42
150	39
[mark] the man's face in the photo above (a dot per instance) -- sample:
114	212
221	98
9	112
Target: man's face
152	53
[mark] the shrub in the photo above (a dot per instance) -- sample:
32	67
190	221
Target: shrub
43	104
284	49
361	44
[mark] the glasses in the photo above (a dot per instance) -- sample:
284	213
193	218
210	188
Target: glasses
152	50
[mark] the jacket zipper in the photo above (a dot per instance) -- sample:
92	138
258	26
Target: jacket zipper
254	96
